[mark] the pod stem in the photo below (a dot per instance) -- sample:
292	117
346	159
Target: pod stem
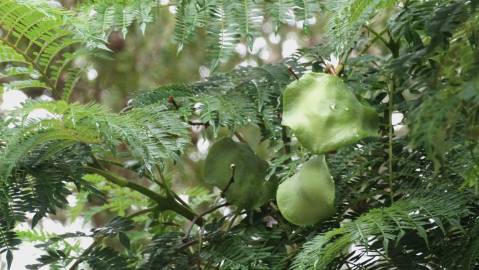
291	71
232	179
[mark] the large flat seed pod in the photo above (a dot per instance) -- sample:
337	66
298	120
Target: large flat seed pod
324	114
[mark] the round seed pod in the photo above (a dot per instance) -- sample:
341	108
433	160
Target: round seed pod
308	196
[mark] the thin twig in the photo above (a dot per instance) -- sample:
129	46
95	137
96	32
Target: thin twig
171	192
202	215
390	138
240	138
379	36
369	44
191	123
142	212
187	244
162	181
232	179
337	71
286	140
98	240
153	178
291	71
230	225
87	251
172	101
346	56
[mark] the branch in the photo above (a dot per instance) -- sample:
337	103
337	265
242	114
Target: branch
376	37
204	214
286	140
291	72
379	36
240	138
163	183
87	251
392	86
142	212
394	48
165	203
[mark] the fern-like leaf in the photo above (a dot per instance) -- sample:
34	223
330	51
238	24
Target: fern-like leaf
348	17
37	40
151	133
387	225
116	16
281	12
222	32
306	10
249	18
188	19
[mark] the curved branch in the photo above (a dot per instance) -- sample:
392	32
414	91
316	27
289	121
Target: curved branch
165	203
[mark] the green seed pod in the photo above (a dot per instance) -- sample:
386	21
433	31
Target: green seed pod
308	196
249	188
324	114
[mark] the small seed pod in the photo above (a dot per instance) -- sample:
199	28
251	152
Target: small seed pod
308	196
240	173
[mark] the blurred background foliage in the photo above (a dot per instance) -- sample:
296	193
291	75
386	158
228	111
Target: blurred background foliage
143	60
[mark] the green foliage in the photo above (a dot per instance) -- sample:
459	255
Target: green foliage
97	257
404	200
244	247
38	47
241	97
38	186
95	125
280	12
109	16
106	258
382	229
305	10
349	16
228	23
